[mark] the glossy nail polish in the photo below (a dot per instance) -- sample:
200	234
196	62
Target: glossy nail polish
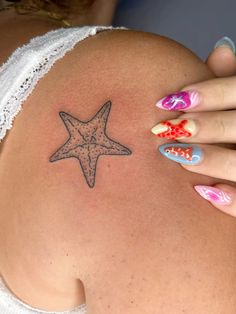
213	194
175	129
179	101
226	41
182	153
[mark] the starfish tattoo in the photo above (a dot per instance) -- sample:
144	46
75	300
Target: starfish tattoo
87	141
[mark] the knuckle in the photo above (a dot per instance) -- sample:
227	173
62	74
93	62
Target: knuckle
230	164
220	128
220	92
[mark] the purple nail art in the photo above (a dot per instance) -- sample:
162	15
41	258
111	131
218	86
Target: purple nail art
214	195
179	101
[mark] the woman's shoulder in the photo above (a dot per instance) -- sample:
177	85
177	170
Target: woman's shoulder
93	106
127	69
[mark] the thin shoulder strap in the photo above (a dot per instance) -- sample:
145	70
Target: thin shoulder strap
27	64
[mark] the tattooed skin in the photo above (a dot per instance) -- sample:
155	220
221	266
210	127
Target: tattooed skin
87	141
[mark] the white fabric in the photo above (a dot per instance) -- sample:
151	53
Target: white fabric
18	77
9	304
20	74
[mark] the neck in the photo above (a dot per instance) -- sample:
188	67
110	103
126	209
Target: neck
16	29
100	13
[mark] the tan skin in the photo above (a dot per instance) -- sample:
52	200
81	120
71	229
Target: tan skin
160	247
18	29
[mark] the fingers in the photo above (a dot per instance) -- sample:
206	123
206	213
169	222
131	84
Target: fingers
200	127
221	196
206	127
211	95
222	60
210	160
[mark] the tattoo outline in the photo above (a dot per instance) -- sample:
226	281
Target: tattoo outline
88	141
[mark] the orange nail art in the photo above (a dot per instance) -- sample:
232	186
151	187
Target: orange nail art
175	129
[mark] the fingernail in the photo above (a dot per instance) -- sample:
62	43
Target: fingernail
182	153
175	129
212	194
179	101
226	41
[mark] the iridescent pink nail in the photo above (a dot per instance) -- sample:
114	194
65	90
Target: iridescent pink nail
214	195
179	101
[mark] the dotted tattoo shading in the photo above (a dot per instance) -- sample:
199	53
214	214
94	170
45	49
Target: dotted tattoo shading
87	141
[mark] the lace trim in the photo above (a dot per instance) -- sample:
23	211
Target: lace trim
20	74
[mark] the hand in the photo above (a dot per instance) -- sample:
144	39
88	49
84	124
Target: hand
210	119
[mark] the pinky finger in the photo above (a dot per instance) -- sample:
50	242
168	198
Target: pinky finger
221	196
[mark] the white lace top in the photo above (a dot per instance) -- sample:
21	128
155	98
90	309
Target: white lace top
20	74
18	77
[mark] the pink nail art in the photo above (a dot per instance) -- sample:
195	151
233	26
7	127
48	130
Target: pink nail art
179	101
213	194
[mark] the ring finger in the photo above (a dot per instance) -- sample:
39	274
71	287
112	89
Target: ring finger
208	160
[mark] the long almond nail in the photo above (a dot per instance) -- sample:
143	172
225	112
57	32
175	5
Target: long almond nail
175	129
182	153
214	195
180	101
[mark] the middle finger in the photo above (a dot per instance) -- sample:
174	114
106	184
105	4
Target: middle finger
200	127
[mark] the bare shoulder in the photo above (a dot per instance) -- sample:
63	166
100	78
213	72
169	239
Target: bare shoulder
108	82
83	168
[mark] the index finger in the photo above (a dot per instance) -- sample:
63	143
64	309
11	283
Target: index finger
211	95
